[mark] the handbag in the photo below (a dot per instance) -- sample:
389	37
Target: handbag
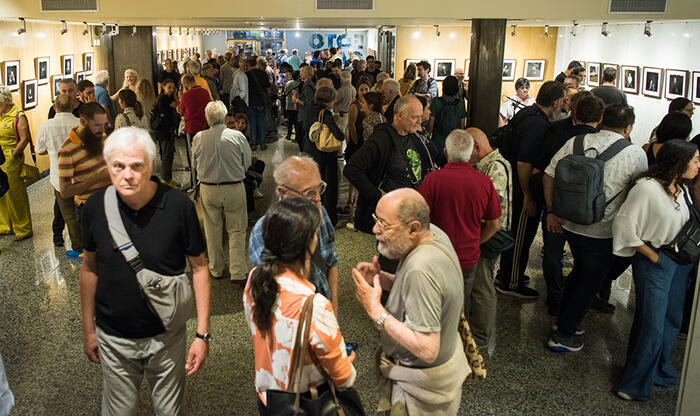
26	172
169	297
503	239
320	134
685	246
343	401
474	358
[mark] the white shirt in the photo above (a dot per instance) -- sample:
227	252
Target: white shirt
649	215
52	133
510	109
239	86
220	154
620	171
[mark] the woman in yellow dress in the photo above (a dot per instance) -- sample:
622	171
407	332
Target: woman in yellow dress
14	205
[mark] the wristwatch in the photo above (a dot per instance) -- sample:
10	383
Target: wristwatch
379	322
204	337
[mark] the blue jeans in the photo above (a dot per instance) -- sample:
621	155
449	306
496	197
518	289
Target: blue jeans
660	292
258	125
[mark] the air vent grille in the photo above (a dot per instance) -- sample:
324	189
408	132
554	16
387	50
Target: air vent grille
71	5
344	4
637	6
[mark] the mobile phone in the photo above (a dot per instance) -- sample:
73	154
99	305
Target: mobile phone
350	347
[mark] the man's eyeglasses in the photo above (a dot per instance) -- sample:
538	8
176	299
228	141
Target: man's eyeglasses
311	193
382	224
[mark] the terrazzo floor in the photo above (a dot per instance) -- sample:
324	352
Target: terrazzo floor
49	374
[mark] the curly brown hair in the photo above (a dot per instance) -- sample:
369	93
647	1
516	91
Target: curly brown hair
671	163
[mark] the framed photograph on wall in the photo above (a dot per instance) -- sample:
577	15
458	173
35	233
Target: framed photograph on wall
55	86
534	69
508	69
695	80
630	79
444	68
170	54
617	73
408	62
42	70
10	75
652	81
88	62
593	74
29	94
79	76
67	65
676	84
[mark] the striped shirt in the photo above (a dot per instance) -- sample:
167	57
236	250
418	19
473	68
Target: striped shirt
74	162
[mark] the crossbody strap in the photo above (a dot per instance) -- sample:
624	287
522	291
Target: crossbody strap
691	207
436	245
120	236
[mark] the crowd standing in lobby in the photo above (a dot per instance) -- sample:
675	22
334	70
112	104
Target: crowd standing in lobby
454	212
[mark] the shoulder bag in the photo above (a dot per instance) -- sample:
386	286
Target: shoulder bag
320	134
26	172
169	297
340	401
503	239
685	246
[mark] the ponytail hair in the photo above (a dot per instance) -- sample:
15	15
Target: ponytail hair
288	230
128	97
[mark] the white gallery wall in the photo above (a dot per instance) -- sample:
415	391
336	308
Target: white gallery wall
671	46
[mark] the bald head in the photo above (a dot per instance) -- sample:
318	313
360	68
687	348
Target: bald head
293	168
407	206
64	103
482	146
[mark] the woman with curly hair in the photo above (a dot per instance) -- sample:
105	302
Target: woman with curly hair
655	210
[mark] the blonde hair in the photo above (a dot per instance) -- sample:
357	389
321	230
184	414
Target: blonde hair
145	94
132	72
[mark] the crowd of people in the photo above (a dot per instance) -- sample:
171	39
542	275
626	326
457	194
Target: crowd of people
450	207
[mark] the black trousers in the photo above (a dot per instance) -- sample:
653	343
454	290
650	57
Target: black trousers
328	166
300	135
514	261
58	224
166	142
291	122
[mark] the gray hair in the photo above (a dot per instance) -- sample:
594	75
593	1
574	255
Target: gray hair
193	67
125	138
392	86
459	145
65	81
215	113
101	77
5	94
289	168
63	103
414	209
345	77
401	106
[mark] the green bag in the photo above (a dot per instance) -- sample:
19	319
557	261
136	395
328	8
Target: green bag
500	242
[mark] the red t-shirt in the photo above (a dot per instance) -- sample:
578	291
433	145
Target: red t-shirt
460	197
192	104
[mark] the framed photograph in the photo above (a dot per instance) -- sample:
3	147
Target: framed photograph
508	69
676	84
652	81
10	75
444	68
593	74
630	79
79	76
170	54
534	69
617	72
696	87
88	62
67	65
408	62
29	94
42	70
56	86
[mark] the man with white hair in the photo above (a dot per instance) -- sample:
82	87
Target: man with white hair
344	96
464	204
391	92
421	360
221	157
101	81
121	330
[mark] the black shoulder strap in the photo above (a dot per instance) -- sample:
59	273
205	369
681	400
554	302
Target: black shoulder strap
613	150
578	145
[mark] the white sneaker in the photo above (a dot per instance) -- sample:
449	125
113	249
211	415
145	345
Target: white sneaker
257	193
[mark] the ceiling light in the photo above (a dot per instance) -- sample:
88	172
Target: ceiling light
64	27
647	28
297	34
133	30
416	34
437	30
453	35
86	30
573	29
115	29
170	31
513	32
23	27
104	29
546	30
179	31
604	29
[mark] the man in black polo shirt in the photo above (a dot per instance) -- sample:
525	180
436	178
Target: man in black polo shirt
130	341
530	128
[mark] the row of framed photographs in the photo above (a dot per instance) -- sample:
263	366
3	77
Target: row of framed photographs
42	69
651	81
534	68
176	54
29	89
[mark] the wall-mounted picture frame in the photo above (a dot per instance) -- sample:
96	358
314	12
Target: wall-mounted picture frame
79	76
630	79
652	81
444	68
617	73
10	75
30	89
407	62
56	86
88	62
67	67
676	84
534	69
170	54
42	69
593	74
695	81
509	69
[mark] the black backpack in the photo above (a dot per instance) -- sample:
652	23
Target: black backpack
502	139
447	120
156	119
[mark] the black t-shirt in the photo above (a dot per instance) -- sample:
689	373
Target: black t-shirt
610	95
556	140
530	128
164	231
400	172
169	75
257	91
164	107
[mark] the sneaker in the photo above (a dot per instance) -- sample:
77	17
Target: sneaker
74	255
565	343
257	193
522	292
579	329
602	306
623	395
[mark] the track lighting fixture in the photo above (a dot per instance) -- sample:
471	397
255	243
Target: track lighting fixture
512	33
104	29
64	27
546	30
133	30
115	30
604	29
647	28
170	31
179	31
86	30
573	29
23	26
437	30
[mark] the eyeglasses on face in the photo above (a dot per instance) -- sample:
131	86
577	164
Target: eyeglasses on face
384	226
311	193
